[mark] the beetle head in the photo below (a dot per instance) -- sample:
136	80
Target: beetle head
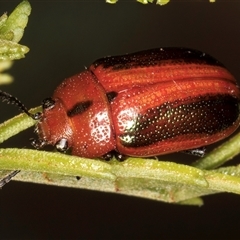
53	127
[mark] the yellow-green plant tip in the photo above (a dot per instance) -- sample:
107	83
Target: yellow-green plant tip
3	19
158	2
162	2
143	1
4	65
11	50
111	1
17	21
5	79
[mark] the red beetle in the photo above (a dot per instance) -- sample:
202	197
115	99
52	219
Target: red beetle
141	104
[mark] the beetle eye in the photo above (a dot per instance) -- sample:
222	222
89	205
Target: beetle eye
62	145
48	103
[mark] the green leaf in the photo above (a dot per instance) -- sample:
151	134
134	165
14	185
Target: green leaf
11	50
165	181
159	180
111	1
33	160
158	2
15	125
15	23
3	20
11	31
162	2
5	78
220	155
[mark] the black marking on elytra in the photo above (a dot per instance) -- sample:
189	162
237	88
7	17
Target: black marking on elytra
207	114
153	57
79	108
111	96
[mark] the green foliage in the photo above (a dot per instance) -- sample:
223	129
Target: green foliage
158	2
11	32
159	180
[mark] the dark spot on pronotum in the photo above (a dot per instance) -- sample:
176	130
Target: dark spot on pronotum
111	96
78	178
79	108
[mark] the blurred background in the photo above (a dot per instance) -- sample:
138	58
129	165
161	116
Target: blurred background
66	36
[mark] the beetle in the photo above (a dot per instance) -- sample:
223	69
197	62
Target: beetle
141	104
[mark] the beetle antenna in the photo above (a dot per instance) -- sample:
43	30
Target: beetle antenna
9	99
8	178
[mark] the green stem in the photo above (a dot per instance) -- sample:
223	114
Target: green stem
15	125
220	155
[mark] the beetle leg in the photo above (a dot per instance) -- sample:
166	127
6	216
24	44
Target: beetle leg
120	157
62	145
108	156
37	143
199	152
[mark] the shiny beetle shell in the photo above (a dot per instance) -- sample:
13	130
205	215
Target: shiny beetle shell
142	104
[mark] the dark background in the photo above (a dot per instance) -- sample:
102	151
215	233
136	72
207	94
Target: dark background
65	36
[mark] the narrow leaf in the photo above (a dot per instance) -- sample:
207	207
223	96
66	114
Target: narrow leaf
16	22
